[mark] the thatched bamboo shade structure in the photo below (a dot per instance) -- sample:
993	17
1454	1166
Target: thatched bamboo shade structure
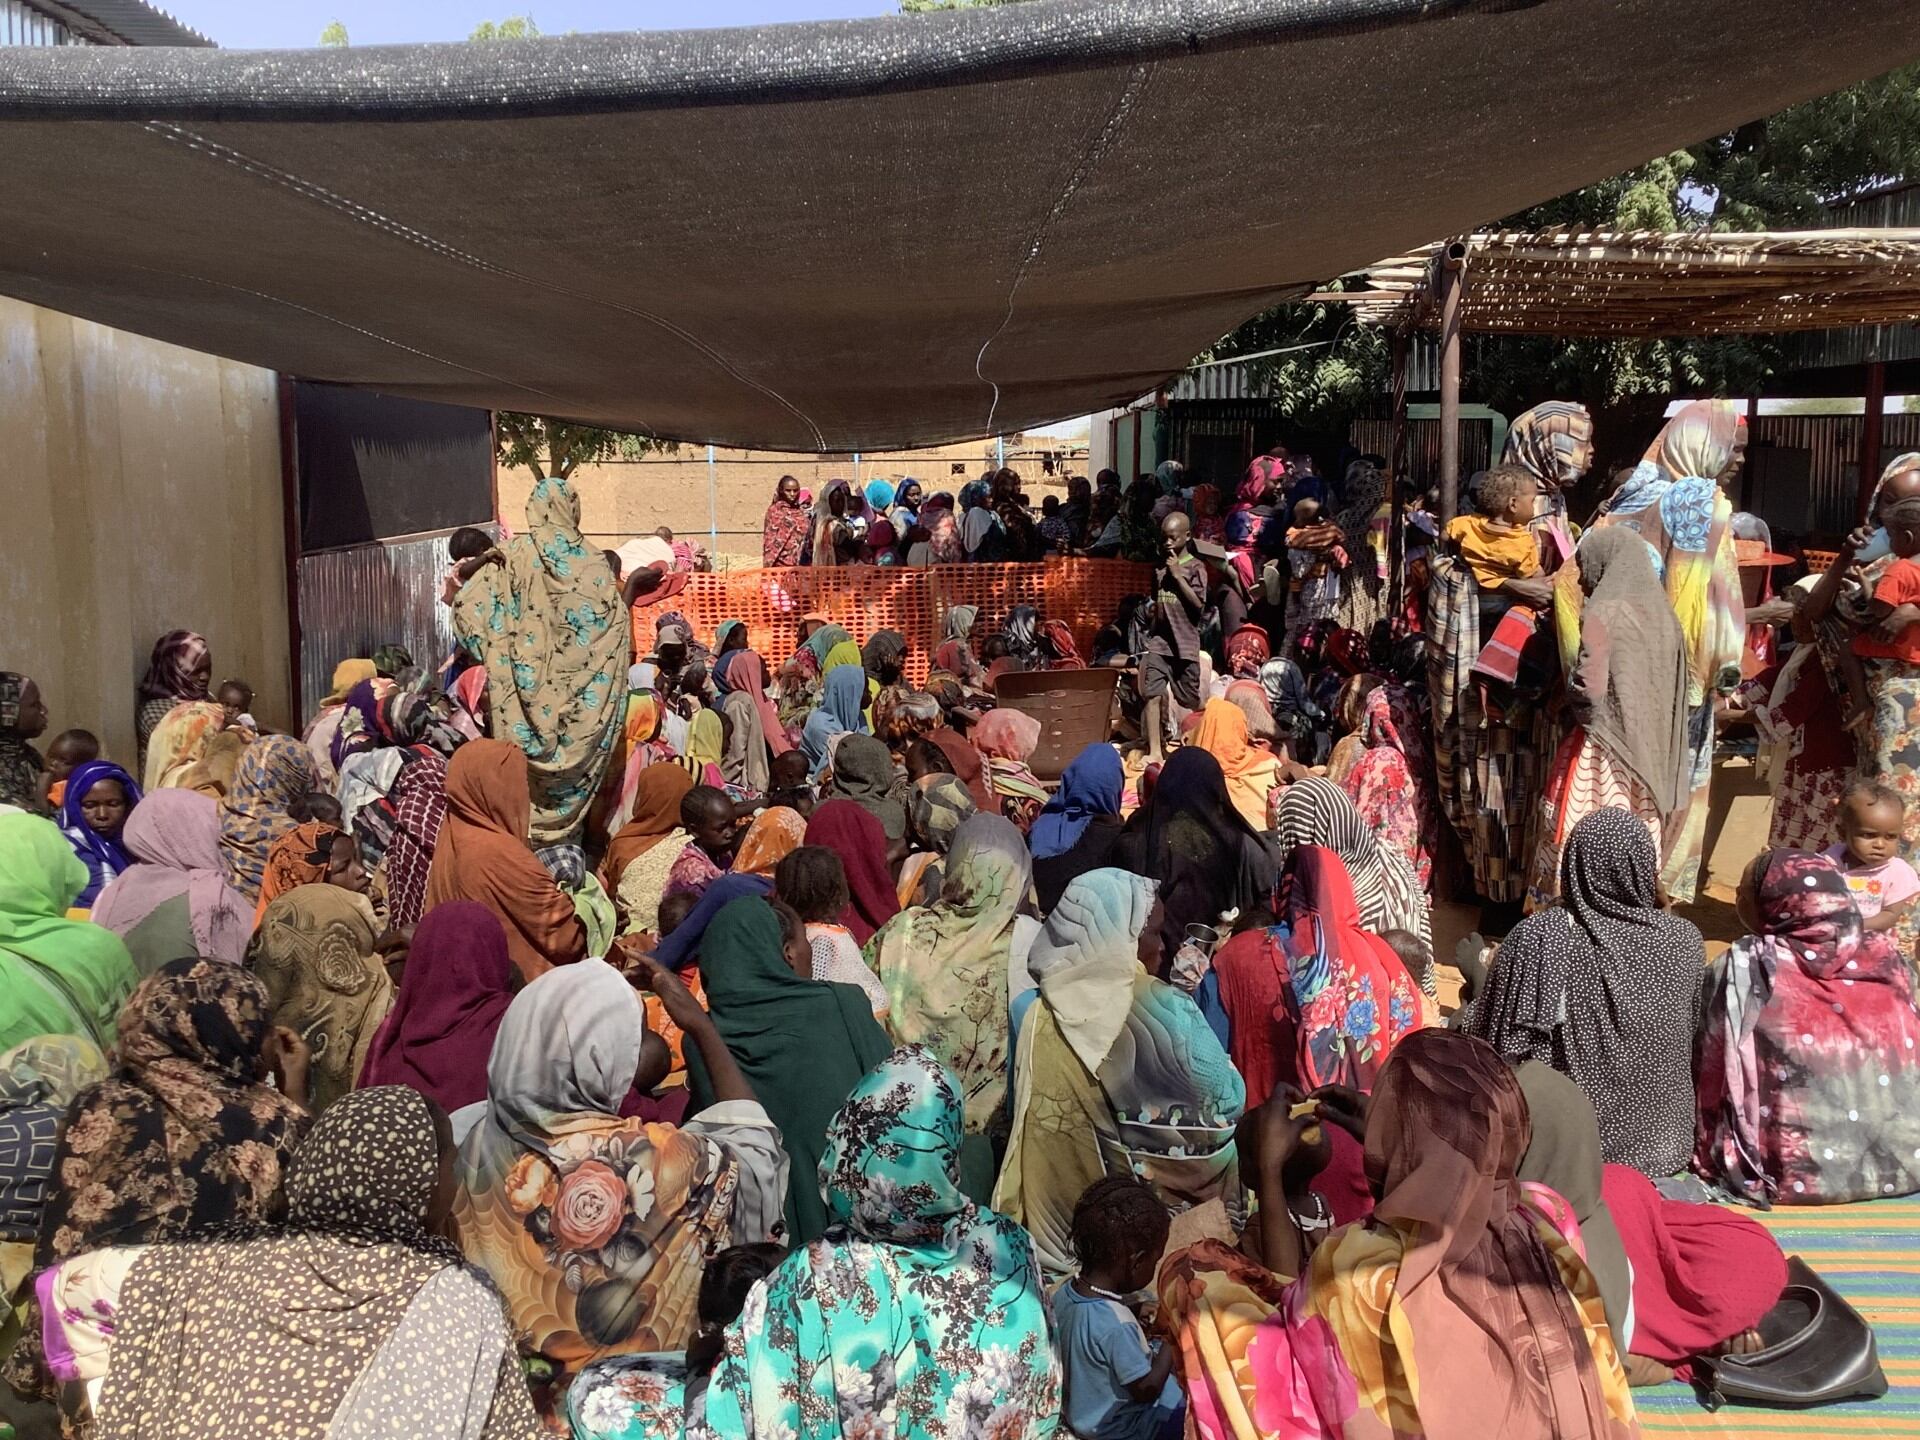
1646	285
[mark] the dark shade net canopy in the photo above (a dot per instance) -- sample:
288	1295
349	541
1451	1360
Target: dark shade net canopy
845	235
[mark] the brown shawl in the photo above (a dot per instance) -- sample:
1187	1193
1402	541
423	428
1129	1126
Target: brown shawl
482	855
657	793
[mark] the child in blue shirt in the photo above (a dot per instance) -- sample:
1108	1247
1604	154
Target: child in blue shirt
1119	1385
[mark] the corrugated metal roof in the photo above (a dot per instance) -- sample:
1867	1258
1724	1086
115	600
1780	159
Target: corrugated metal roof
120	22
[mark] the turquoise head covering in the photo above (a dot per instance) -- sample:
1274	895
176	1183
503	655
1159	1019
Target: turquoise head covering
929	1305
879	493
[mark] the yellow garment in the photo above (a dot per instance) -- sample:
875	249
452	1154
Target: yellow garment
1494	553
706	738
1251	772
180	741
346	675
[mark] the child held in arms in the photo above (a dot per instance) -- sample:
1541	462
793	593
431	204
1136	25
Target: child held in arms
1883	885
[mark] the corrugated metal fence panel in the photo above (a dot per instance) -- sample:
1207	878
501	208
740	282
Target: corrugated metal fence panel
1423	446
22	25
355	600
1832	443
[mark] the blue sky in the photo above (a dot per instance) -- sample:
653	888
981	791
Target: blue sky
279	24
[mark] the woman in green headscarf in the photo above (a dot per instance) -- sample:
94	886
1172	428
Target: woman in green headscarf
802	1043
550	628
57	976
945	966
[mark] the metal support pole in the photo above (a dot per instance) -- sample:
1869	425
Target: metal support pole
1453	265
1870	432
713	502
1396	445
999	452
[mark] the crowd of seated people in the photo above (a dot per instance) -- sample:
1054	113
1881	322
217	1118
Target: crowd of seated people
712	1047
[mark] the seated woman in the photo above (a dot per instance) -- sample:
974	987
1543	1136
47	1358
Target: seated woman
1457	1309
93	817
1076	830
173	902
1315	811
1606	987
1114	1072
863	772
276	1351
644	851
1808	1064
857	838
1251	772
482	855
274	774
800	1042
190	1134
1189	839
179	742
555	1187
948	970
59	976
38	1080
1678	1280
919	1313
755	736
314	951
937	806
1006	740
452	997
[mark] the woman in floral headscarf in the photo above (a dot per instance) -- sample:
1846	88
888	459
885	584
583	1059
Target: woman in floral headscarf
179	670
1809	1061
919	1315
1115	1072
1674	501
946	966
189	1135
594	1228
1457	1309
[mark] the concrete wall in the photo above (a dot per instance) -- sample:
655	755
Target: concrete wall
627	498
140	492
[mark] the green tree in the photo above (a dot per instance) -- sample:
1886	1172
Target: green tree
554	447
514	27
1782	172
335	35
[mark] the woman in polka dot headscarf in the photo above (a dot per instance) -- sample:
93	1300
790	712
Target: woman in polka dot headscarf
1809	1071
276	1350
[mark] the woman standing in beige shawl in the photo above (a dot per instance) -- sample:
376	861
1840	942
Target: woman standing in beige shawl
549	628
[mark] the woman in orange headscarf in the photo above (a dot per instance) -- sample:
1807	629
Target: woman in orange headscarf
1252	773
482	854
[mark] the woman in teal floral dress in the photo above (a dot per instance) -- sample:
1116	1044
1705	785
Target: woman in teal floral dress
919	1315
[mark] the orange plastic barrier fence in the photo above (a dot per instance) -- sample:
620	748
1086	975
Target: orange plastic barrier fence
866	598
